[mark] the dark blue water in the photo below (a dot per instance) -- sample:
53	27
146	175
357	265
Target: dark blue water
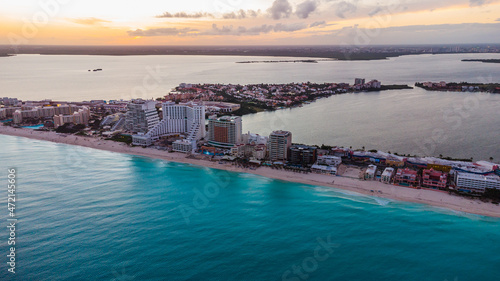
86	214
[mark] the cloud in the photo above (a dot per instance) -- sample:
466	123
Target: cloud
289	27
280	9
375	11
255	30
228	30
185	15
464	33
89	21
477	3
161	32
305	8
318	23
241	14
343	8
497	19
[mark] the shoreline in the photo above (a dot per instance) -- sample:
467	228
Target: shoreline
381	190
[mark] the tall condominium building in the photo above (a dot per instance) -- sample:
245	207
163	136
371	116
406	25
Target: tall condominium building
141	116
279	145
302	154
183	118
225	131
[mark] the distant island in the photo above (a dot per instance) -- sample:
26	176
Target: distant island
5	55
459	87
484	60
287	61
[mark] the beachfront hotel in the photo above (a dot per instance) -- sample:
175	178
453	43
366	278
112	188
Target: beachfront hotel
81	116
387	175
434	179
225	132
406	177
39	110
141	116
279	145
476	183
183	118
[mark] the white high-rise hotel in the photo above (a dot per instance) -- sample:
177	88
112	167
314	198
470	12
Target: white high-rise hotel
184	118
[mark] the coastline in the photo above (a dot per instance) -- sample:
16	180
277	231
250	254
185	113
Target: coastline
422	196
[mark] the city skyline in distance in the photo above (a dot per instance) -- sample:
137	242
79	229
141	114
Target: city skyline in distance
237	22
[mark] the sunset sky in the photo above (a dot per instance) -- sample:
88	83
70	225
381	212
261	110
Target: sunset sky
258	22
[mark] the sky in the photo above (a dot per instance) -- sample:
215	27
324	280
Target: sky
244	22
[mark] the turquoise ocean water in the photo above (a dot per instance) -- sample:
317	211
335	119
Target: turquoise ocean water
86	214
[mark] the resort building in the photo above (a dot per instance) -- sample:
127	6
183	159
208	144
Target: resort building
370	172
255	151
406	177
324	169
81	116
185	118
279	145
475	183
434	179
141	116
328	160
387	175
359	81
302	154
224	132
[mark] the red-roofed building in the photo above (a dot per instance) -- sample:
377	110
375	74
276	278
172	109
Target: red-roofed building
406	176
434	179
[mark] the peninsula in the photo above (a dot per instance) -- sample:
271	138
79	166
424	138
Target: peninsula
181	133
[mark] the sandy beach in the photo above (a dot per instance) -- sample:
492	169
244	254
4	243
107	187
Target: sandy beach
372	188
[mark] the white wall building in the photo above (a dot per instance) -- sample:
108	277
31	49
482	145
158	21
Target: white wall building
476	183
370	172
279	145
184	118
328	160
387	175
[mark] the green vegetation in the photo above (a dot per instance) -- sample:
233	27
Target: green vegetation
493	194
395	87
121	138
249	108
484	60
70	128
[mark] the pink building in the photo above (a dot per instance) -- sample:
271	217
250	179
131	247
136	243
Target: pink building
406	176
434	179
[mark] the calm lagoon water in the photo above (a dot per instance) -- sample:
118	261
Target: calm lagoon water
86	214
410	121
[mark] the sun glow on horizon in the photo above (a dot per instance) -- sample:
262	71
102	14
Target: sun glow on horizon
201	22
